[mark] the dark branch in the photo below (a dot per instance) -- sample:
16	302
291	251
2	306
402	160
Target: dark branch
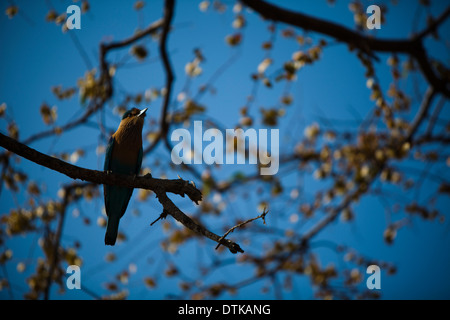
176	186
164	124
93	107
432	27
105	77
152	28
413	47
261	216
421	113
351	197
159	186
168	15
192	225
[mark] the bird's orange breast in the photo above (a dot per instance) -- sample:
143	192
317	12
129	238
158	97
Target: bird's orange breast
125	153
127	143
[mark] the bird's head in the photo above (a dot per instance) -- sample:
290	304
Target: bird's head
132	122
134	118
135	115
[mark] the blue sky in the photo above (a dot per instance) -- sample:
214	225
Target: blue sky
36	55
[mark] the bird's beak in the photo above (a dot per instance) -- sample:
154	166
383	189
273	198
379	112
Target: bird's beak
142	113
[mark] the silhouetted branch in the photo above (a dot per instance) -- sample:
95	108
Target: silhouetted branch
159	186
164	123
54	246
442	139
173	210
176	186
261	216
105	77
152	28
351	197
93	107
432	27
413	47
168	15
421	113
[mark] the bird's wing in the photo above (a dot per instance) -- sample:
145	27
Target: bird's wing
107	167
108	153
139	161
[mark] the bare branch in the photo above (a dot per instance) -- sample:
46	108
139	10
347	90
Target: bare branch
261	216
97	104
93	107
164	124
159	186
176	186
349	198
173	210
421	113
168	15
435	24
413	47
57	239
152	28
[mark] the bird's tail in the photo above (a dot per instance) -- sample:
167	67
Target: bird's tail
111	230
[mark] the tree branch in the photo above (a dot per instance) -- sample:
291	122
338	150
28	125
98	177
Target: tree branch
421	113
413	47
349	198
159	186
97	104
90	110
176	213
164	124
176	186
432	27
54	245
152	28
168	15
261	216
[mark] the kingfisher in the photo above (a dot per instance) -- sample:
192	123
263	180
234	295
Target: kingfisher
124	156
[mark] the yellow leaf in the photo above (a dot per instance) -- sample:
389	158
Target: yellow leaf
204	5
239	22
51	16
11	11
139	52
138	5
2	109
234	39
150	282
264	65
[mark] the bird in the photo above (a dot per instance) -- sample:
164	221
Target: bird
124	156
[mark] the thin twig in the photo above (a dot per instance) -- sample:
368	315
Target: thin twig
178	215
261	216
163	215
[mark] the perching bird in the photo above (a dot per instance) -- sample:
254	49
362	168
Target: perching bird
124	156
